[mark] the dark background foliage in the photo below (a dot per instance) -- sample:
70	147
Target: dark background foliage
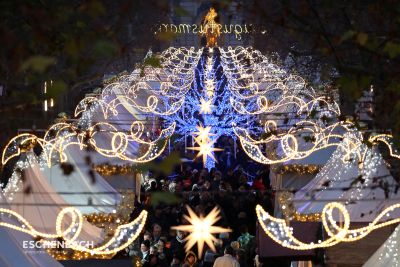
73	43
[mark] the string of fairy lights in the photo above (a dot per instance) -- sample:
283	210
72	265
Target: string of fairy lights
257	86
279	231
391	250
205	138
123	236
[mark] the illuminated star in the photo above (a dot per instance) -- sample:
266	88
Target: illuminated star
201	229
205	148
205	106
209	83
209	86
203	132
210	93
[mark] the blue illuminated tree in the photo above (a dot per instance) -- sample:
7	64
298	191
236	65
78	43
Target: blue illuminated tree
207	106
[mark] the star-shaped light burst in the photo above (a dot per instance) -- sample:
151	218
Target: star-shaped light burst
209	86
205	148
206	145
203	132
205	106
201	229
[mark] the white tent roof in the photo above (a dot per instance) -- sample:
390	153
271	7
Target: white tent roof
388	254
12	251
319	157
41	206
334	182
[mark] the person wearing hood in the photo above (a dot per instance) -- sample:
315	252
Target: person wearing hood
190	260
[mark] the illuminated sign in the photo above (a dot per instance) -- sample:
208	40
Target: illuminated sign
236	29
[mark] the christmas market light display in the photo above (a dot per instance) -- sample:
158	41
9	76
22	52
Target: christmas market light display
124	235
204	94
207	106
338	231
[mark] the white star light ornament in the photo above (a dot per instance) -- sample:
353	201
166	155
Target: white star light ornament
203	132
205	106
205	148
201	229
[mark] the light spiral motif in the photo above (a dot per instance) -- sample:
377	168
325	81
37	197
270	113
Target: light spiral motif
124	235
256	86
338	231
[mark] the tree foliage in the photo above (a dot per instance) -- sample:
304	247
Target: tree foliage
71	43
360	39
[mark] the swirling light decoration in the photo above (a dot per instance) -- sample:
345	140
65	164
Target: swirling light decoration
258	86
290	141
162	87
160	91
124	235
251	77
279	95
278	230
62	135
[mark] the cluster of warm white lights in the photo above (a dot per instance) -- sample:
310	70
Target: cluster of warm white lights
62	135
338	231
279	96
160	91
363	162
251	77
203	138
123	236
258	86
201	229
205	142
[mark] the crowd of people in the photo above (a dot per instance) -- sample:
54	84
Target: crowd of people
231	191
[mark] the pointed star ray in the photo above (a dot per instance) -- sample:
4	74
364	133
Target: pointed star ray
201	230
205	149
203	132
205	106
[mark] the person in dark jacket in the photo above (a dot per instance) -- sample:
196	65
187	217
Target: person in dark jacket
178	245
145	249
